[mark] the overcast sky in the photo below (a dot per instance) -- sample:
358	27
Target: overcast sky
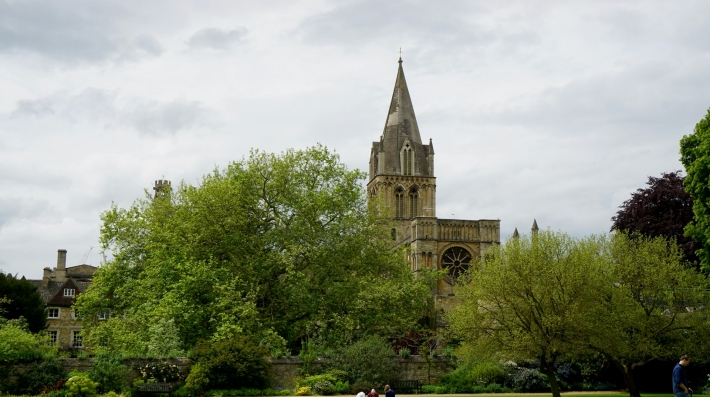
548	110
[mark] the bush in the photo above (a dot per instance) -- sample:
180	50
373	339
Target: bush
331	377
81	386
197	380
43	376
110	373
160	372
236	362
303	391
529	380
369	361
17	344
247	392
472	376
323	388
342	387
405	352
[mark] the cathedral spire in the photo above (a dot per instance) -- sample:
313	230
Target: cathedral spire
401	129
534	228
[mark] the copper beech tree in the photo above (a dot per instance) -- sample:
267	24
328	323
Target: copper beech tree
663	208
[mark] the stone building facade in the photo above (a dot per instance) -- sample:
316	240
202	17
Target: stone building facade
402	178
59	288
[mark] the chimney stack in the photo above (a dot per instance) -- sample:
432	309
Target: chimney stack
61	259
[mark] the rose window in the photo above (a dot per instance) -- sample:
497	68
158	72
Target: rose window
456	260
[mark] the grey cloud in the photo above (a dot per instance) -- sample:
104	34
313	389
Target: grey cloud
155	118
427	31
148	117
69	32
217	39
12	209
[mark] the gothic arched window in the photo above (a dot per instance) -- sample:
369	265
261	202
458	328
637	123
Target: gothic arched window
456	260
407	160
399	203
413	199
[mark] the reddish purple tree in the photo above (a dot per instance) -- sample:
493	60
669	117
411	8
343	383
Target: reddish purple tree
661	209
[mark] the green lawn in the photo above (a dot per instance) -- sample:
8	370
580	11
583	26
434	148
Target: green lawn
575	394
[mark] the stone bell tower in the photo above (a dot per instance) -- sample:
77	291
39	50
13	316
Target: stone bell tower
402	179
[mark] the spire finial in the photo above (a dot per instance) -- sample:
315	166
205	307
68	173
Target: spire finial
400	55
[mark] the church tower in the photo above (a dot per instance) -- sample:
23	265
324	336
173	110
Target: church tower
401	167
402	179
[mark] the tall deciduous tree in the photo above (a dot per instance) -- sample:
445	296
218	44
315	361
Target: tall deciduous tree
647	307
695	156
22	300
663	208
550	296
528	300
281	247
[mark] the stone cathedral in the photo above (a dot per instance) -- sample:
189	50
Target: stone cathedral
402	177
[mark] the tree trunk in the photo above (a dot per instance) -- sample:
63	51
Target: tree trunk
548	368
628	371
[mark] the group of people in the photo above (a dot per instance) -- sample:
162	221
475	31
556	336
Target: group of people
373	393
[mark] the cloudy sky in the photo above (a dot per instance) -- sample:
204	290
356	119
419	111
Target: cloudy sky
548	110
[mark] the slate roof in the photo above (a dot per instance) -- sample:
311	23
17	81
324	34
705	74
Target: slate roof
53	288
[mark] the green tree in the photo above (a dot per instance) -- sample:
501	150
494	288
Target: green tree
528	299
272	246
695	156
647	308
22	300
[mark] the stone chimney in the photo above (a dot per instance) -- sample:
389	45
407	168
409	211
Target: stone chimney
61	259
45	276
60	272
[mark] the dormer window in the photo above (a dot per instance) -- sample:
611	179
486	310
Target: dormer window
69	292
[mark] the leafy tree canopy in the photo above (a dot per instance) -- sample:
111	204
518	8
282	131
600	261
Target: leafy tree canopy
695	156
526	301
550	296
281	247
663	208
647	305
22	299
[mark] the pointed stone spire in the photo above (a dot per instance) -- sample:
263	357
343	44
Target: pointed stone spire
401	128
515	233
534	228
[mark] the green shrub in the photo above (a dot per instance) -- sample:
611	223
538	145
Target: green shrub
41	377
302	391
342	387
236	362
472	376
313	379
369	361
529	380
405	352
160	371
323	388
197	381
17	344
81	386
110	373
